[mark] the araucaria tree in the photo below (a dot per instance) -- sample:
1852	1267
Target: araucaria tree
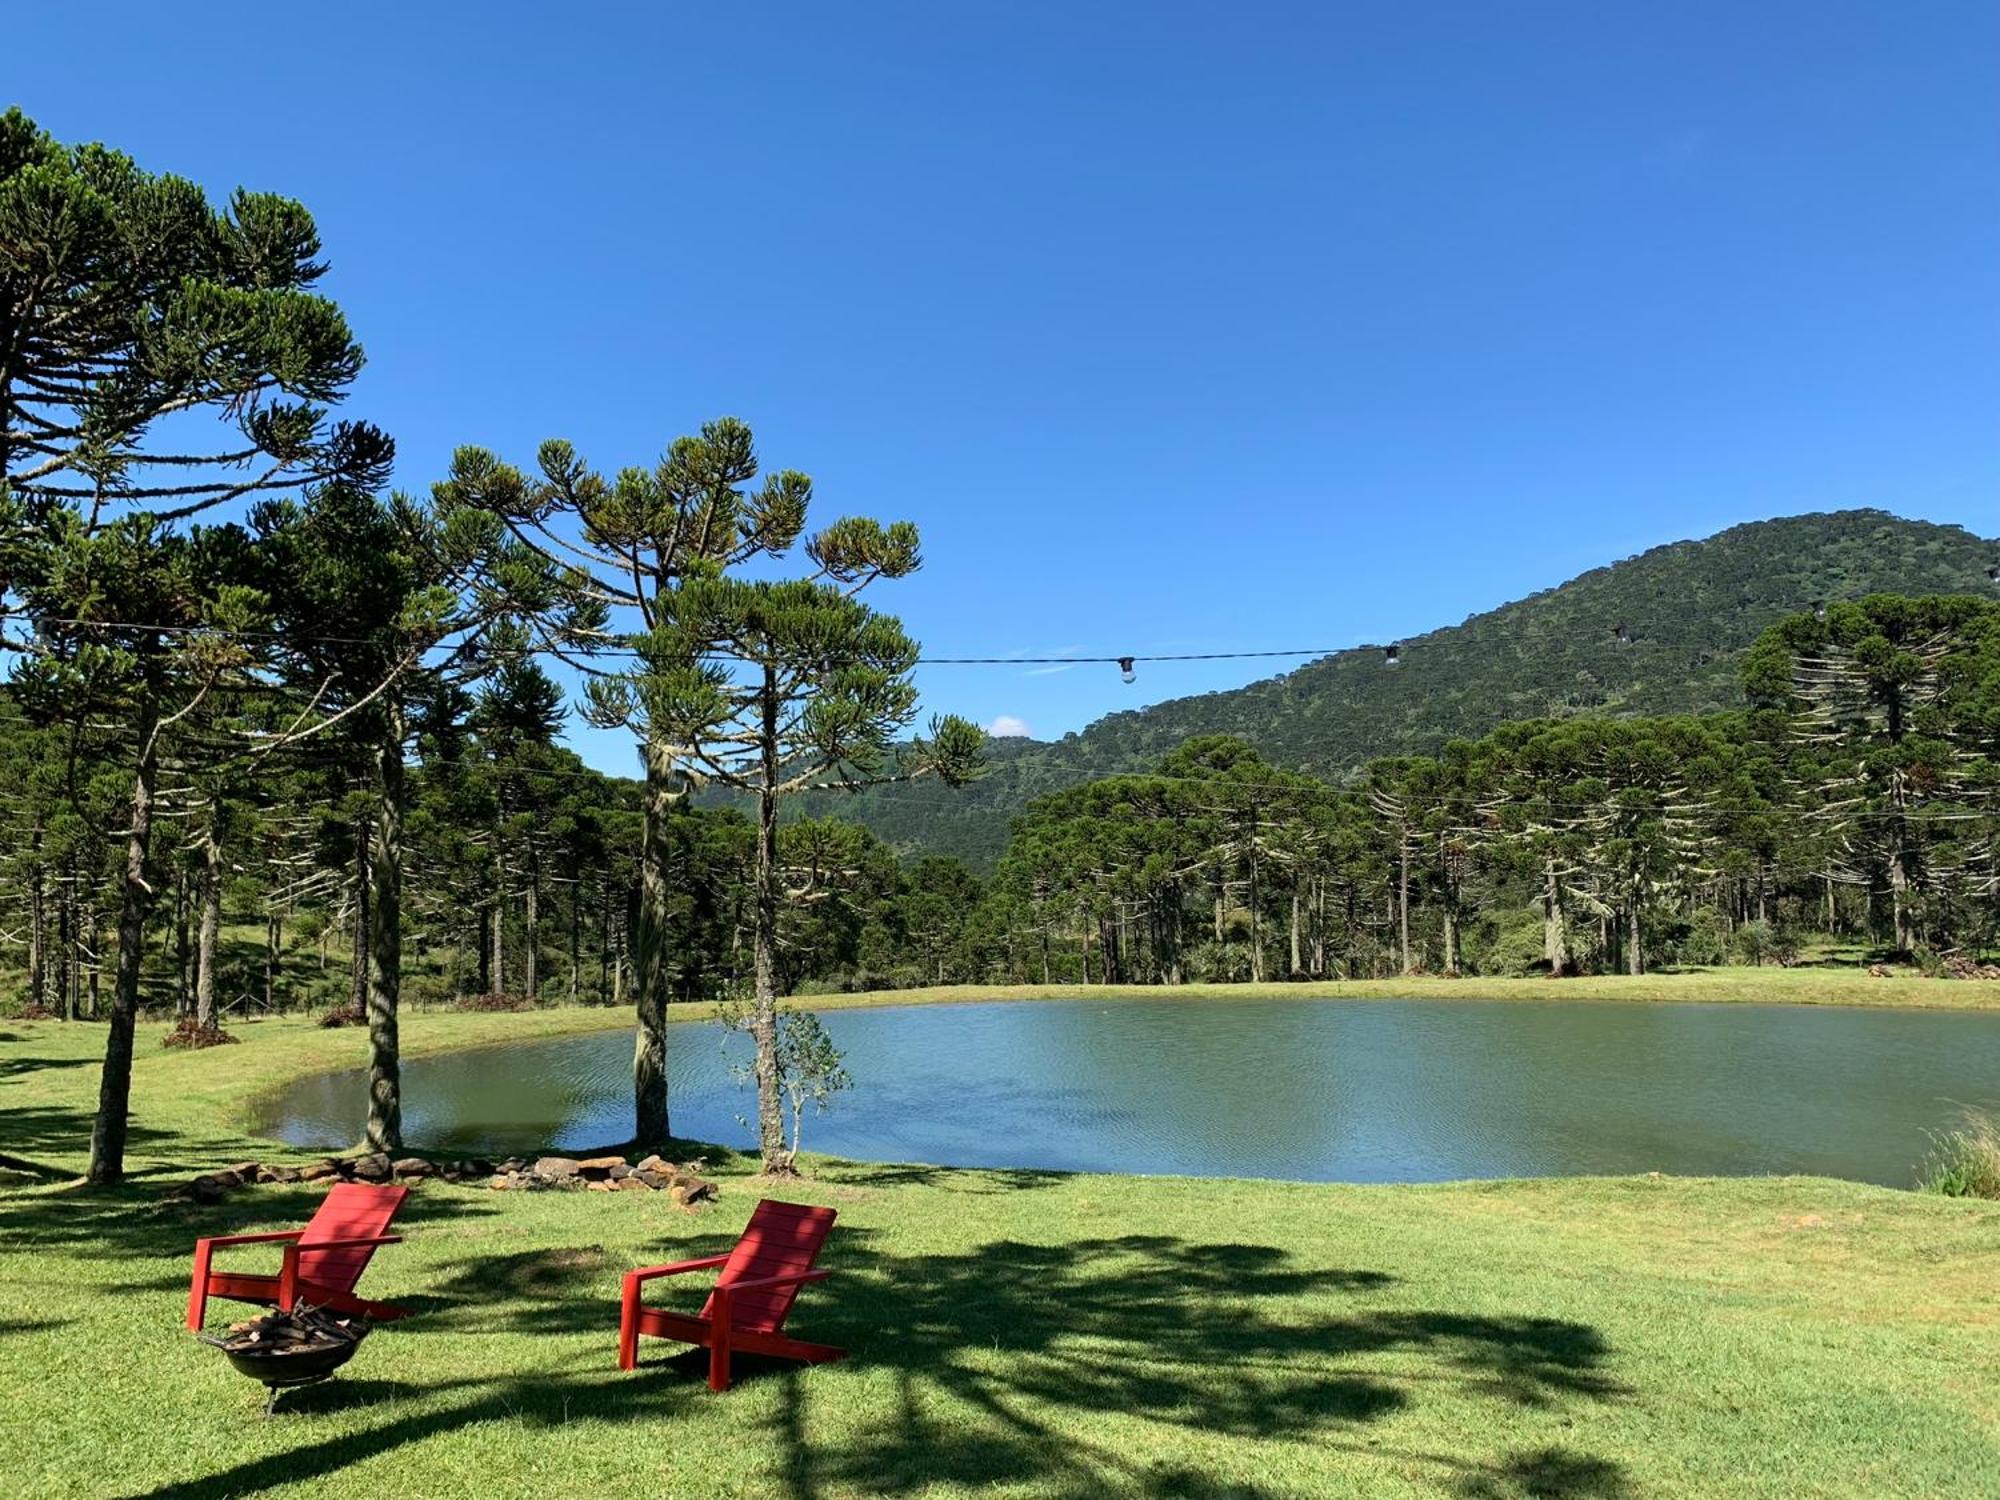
130	310
775	689
624	547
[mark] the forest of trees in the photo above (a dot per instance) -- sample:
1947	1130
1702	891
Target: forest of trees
1854	799
1852	802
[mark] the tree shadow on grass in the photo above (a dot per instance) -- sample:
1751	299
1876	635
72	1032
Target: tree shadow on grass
916	1174
1231	1339
1010	1366
36	1130
14	1066
136	1226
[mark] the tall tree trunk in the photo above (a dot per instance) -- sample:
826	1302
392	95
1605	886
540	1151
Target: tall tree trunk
385	982
666	789
533	977
485	960
38	939
211	922
114	1092
1555	932
1298	952
69	934
358	968
96	965
575	928
1256	918
1450	914
497	965
183	954
604	946
273	937
764	1010
1403	896
1635	953
1319	928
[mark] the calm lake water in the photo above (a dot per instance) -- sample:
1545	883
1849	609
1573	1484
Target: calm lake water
1335	1090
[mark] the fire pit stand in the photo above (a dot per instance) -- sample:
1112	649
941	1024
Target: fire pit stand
282	1351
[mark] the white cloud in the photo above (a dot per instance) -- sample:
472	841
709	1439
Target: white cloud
1008	727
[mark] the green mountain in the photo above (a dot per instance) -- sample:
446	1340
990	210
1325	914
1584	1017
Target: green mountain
1689	608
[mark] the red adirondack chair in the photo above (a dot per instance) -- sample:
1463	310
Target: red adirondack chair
753	1293
322	1261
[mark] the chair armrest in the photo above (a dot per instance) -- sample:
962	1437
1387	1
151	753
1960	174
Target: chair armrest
647	1273
351	1244
763	1282
272	1238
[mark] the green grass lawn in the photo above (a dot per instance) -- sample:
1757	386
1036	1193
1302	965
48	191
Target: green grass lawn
1013	1333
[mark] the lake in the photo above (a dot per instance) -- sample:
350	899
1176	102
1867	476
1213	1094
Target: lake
1329	1090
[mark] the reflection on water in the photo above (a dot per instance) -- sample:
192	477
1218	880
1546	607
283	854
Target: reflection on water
1342	1090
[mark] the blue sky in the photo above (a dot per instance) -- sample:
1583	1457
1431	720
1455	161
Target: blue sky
1176	328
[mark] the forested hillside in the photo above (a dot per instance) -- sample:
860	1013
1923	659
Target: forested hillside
1691	609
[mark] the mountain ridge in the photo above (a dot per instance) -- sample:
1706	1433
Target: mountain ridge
1689	608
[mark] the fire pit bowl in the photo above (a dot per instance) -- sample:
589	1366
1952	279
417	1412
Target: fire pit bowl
283	1350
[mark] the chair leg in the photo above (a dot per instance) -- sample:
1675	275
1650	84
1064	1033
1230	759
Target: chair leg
628	1327
198	1288
718	1346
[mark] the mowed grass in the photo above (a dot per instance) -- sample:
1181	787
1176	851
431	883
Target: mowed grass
1013	1333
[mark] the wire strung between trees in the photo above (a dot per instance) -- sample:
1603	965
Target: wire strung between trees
588	649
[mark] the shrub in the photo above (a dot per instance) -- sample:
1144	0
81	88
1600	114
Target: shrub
496	1001
1706	940
190	1034
1964	1163
1516	946
1764	943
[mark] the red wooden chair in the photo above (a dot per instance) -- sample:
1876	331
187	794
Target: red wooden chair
753	1293
322	1261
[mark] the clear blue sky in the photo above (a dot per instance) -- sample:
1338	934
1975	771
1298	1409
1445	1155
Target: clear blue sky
1175	327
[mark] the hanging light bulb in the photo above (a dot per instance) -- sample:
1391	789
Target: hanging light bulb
1819	609
1125	671
1391	655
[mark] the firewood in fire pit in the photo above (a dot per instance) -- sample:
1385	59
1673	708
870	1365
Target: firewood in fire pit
303	1330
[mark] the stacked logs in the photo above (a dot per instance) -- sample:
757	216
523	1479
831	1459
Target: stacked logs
681	1181
604	1174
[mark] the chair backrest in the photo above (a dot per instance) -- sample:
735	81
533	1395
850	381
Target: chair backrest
353	1210
780	1238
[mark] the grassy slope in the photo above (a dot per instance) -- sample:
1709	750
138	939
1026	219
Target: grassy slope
1014	1333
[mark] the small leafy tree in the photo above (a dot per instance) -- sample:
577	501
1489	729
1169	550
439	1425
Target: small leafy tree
810	1071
